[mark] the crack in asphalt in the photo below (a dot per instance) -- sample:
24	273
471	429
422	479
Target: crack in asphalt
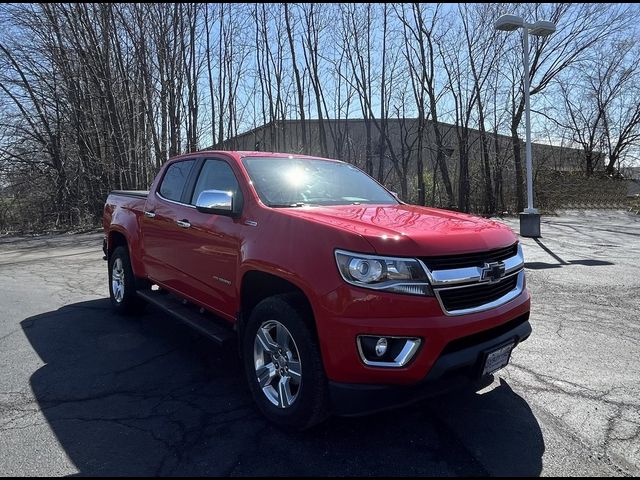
549	380
144	362
13	332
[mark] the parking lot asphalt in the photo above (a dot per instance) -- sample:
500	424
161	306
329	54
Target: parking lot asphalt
85	391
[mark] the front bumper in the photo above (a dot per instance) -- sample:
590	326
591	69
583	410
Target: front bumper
348	312
458	365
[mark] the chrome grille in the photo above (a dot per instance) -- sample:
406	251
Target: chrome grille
461	285
476	295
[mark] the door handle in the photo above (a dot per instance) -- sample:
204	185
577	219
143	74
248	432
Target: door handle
149	214
183	223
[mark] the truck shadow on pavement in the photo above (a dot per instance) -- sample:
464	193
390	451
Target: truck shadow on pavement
146	396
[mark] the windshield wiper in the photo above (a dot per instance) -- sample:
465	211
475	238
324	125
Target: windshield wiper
288	205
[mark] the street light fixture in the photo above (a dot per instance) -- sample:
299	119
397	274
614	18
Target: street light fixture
530	218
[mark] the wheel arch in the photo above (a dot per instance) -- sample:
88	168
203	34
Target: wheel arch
121	237
256	285
116	239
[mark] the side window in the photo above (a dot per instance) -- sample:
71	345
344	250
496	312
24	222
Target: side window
216	175
175	179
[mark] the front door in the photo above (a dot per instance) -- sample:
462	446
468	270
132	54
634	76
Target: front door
211	245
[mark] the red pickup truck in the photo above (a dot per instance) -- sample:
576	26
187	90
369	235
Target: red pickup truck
342	298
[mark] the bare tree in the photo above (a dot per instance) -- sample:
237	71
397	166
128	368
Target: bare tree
296	72
483	49
315	22
419	28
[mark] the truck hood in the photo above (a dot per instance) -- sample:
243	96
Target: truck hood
410	230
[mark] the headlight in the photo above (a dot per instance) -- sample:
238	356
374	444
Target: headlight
366	270
399	275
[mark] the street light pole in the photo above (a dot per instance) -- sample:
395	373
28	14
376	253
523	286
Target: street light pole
527	110
530	218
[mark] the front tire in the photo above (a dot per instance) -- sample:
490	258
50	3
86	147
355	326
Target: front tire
123	283
283	364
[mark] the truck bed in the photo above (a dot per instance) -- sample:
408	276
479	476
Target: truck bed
130	204
131	193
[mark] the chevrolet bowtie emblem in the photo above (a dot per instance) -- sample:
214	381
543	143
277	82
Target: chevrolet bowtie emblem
492	272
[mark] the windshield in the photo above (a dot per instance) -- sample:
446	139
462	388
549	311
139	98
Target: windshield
294	182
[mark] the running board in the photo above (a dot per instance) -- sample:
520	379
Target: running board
205	323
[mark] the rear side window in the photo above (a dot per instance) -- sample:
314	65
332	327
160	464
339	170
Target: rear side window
175	180
216	175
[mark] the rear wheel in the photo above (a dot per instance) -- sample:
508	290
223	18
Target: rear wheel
283	364
122	283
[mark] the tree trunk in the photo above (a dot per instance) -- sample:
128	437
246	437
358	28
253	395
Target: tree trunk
296	73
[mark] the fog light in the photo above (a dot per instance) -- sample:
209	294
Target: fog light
381	347
378	351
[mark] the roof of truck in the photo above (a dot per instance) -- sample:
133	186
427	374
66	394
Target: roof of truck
247	153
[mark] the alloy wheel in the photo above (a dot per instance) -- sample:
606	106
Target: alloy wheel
277	364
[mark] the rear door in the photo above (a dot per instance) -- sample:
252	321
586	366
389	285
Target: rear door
162	234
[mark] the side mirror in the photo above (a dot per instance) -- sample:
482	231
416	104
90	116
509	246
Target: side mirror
215	201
